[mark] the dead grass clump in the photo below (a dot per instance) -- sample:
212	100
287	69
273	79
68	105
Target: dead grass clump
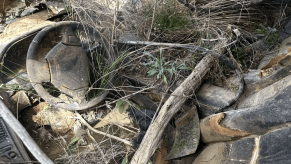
95	156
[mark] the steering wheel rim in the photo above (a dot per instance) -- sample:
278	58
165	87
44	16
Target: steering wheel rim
42	74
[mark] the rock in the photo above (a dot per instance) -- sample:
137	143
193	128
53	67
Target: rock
28	11
249	78
274	113
212	131
267	57
252	76
210	98
272	147
288	26
187	135
238	152
285	46
21	100
263	91
283	35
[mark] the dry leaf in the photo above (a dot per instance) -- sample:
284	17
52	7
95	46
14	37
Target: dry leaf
114	117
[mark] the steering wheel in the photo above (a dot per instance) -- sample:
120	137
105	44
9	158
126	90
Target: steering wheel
66	66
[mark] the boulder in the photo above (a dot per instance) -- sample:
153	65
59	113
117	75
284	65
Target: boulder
238	152
210	98
212	131
272	114
272	147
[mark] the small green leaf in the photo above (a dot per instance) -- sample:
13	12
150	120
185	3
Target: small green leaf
170	71
165	79
156	64
150	162
45	107
121	107
149	54
124	161
119	102
152	72
159	75
73	141
162	70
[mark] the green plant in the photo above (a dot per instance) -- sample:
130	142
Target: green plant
74	144
160	67
240	53
167	18
124	160
100	71
120	105
271	37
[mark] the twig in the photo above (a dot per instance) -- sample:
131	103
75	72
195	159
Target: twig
188	46
114	20
120	126
17	106
126	96
100	132
153	19
101	152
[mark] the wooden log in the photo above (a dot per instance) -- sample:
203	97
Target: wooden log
172	105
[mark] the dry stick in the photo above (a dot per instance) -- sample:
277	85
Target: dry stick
127	96
114	20
120	126
171	106
102	133
97	146
154	12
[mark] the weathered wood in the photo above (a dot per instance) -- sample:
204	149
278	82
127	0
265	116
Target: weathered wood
171	106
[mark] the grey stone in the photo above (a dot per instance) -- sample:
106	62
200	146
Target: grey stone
273	113
283	35
268	55
28	11
275	147
252	76
284	47
272	147
238	152
210	98
288	26
259	92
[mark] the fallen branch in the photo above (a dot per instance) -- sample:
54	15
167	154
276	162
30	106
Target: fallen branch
102	133
172	105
